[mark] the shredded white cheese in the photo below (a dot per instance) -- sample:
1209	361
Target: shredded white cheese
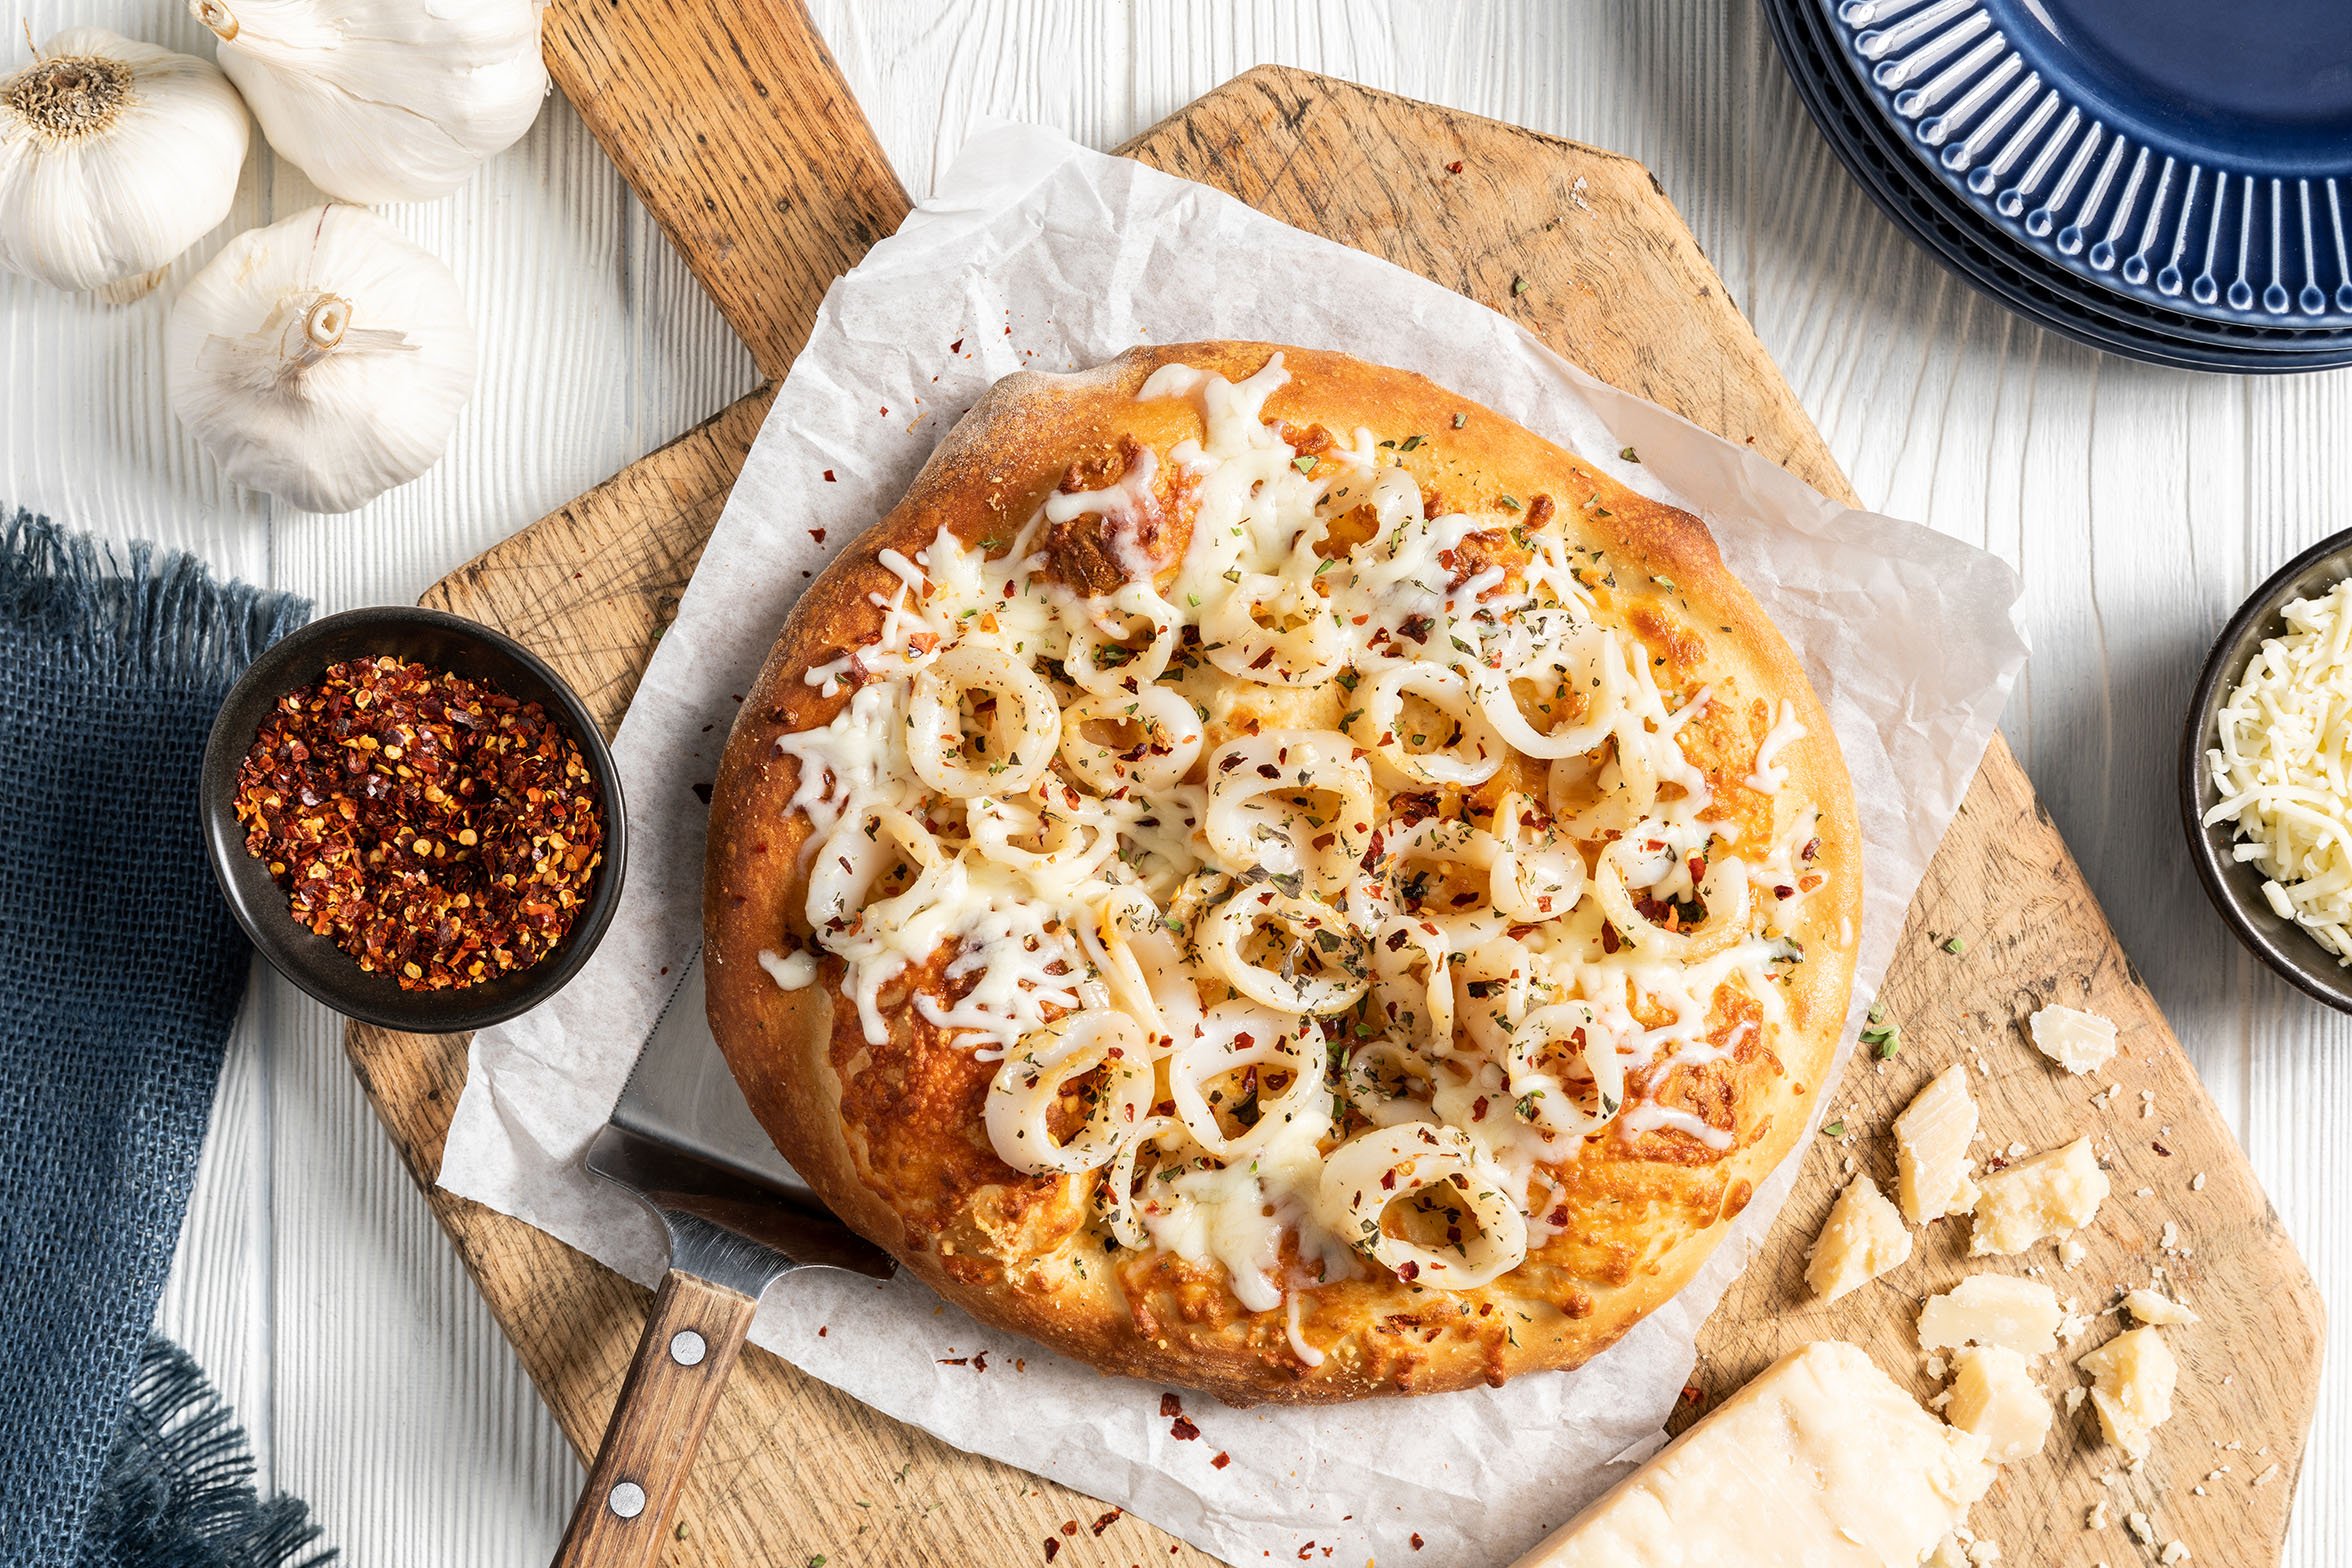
2282	763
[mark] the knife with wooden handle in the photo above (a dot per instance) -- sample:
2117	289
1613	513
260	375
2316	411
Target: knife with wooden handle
682	1142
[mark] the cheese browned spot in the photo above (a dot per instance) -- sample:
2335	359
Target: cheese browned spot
1146	520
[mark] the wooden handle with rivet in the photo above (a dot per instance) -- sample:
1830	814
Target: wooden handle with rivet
690	1344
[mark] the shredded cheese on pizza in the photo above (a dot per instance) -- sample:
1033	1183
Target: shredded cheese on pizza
2282	763
1303	999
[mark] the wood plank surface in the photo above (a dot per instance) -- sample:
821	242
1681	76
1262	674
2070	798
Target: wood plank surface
1592	256
699	104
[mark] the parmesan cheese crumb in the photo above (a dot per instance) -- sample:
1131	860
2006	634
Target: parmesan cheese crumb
1862	1238
2078	1041
2149	1306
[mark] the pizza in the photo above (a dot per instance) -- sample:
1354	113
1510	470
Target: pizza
1264	875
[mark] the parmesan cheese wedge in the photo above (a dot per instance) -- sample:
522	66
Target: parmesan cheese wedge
1931	1149
1862	1239
1821	1460
2047	1195
1992	1309
2132	1379
2078	1041
1994	1396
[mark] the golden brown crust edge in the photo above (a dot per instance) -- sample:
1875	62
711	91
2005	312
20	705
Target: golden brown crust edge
986	476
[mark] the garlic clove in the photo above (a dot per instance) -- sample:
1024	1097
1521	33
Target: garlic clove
322	359
384	100
115	157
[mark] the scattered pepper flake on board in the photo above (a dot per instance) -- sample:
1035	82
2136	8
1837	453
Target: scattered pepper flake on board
440	830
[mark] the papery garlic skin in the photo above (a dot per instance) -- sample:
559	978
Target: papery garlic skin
115	157
323	359
384	100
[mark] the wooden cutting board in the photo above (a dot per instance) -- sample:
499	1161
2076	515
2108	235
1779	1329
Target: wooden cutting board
734	125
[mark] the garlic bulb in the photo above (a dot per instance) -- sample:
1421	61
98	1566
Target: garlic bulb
115	156
322	359
384	100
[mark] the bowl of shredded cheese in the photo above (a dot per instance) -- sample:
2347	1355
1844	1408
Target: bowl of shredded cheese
2266	772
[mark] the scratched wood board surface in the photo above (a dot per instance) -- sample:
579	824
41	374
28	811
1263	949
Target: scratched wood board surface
1586	249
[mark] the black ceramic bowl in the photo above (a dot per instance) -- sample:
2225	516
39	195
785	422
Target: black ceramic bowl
2236	890
315	963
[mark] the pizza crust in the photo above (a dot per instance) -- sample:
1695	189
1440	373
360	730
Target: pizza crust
889	1134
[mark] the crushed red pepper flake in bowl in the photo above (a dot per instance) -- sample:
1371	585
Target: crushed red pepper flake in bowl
439	830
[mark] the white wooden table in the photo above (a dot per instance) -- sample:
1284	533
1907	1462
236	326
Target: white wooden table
2139	504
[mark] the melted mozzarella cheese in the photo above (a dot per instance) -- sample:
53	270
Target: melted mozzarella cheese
1769	775
1159	818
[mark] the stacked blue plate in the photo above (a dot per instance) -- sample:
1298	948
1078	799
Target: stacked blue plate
2166	179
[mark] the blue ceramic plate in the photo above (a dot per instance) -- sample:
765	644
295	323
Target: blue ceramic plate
2007	271
2193	154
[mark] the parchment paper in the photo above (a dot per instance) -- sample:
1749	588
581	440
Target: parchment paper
1036	253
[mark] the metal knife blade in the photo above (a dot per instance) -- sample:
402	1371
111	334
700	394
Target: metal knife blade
682	1140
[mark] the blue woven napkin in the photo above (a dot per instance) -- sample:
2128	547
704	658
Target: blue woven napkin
120	972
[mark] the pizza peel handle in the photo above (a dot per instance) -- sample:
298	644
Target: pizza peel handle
691	1340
